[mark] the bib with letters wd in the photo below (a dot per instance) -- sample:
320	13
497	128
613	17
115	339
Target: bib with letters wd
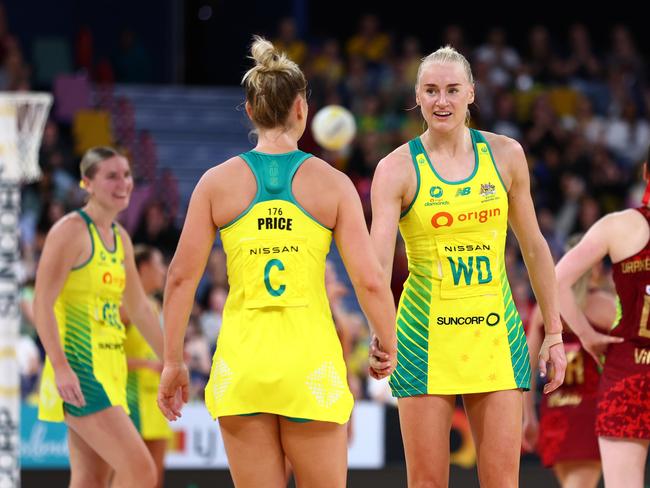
277	350
458	329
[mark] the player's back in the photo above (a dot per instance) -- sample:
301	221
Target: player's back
278	351
632	280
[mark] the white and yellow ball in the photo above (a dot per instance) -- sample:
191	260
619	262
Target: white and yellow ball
333	127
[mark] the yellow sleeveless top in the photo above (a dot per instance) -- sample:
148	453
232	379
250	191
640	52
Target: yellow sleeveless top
457	327
142	385
277	351
91	332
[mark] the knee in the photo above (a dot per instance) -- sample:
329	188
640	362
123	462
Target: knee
88	479
147	475
428	484
141	474
428	481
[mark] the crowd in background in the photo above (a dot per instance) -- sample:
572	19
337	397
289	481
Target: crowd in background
580	112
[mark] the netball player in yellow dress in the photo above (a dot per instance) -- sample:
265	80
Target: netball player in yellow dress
85	272
452	192
278	383
144	366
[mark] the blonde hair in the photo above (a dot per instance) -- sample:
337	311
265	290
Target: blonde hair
93	156
444	55
272	84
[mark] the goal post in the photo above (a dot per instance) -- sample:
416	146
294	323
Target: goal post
22	120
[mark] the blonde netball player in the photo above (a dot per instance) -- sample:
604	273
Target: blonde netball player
144	366
86	271
278	383
452	192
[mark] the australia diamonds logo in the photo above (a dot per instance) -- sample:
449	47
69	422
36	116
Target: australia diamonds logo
487	189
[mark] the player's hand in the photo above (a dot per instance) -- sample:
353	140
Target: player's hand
554	369
530	433
381	364
173	391
67	383
596	344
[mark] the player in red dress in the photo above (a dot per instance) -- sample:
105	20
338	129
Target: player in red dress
565	436
623	412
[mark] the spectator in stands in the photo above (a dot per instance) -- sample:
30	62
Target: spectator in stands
369	43
327	68
197	355
581	64
624	56
505	121
503	60
157	229
628	136
212	315
411	56
544	129
586	122
288	41
541	61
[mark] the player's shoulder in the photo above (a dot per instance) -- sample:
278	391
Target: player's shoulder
224	169
396	168
503	147
69	225
621	219
326	175
69	233
396	159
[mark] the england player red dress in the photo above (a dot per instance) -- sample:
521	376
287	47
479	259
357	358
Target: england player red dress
624	392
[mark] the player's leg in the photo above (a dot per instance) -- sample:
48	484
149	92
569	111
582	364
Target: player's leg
425	422
112	435
87	468
623	461
254	450
317	451
578	474
496	419
157	450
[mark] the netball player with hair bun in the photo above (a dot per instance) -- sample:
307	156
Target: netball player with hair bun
278	383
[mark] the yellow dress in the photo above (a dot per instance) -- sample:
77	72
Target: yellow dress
142	386
277	351
458	329
91	332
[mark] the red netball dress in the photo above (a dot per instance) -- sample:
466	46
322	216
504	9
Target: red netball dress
568	415
624	391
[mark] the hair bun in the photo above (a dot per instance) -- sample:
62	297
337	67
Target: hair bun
265	55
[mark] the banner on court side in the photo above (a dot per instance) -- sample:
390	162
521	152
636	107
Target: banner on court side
42	444
197	442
